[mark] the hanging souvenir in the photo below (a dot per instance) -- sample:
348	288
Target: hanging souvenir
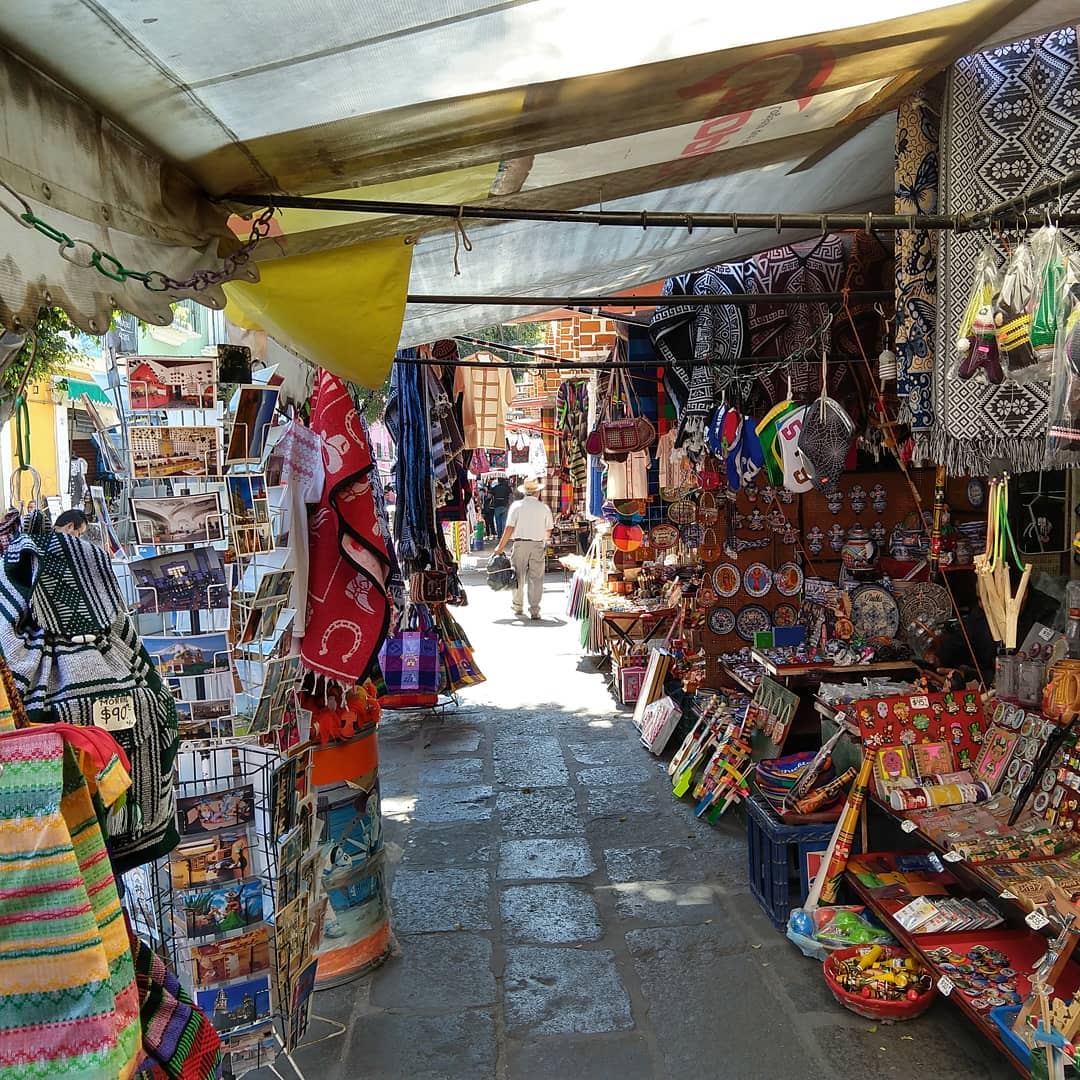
879	498
707	512
1048	265
857	498
879	533
836	537
751	493
750	620
785	615
768	494
663	537
1012	309
692	535
789	535
726	580
976	493
874	613
825	440
757	579
815	541
788	579
756	521
682	511
709	474
709	550
627	537
834	500
776	521
706	596
721	620
925	602
976	341
786	497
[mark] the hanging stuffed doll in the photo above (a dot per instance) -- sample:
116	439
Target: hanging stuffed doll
976	342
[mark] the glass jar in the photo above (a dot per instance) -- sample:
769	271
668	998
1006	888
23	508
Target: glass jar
1007	677
1030	682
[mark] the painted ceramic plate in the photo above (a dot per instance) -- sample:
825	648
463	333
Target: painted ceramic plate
976	493
874	613
785	615
721	620
1042	802
751	620
726	580
664	537
757	579
788	579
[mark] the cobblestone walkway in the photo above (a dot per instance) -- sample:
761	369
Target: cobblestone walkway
560	915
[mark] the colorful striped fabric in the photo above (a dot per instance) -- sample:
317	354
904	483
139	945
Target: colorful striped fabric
68	1000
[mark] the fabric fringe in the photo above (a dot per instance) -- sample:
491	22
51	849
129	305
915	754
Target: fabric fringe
964	457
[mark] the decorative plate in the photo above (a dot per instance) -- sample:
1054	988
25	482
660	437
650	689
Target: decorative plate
874	613
706	596
1041	803
788	579
682	512
721	620
785	615
751	620
925	602
976	493
692	535
757	579
726	580
664	537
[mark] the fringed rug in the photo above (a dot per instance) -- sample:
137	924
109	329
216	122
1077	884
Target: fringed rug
1011	122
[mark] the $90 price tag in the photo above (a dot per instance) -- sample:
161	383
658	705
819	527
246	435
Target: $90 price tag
945	986
114	713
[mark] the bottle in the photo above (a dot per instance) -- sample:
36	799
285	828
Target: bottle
1072	625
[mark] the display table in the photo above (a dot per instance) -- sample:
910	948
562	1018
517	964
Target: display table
631	626
782	671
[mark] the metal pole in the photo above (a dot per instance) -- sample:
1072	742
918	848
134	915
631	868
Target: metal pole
718	300
605	365
645	219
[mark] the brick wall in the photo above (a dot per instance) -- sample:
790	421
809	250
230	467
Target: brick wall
580	338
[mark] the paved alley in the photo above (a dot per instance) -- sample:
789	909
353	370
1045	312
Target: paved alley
559	915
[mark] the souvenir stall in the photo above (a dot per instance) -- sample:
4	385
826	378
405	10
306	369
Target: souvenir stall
882	529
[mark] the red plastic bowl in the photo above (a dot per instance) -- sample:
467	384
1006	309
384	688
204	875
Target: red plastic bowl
872	1008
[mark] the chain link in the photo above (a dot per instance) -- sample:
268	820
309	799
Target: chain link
111	267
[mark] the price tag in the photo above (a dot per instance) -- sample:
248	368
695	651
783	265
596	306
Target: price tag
952	856
1036	920
945	986
908	826
1006	895
114	713
920	702
841	717
1046	633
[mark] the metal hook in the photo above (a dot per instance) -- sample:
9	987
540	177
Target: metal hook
779	223
644	220
734	224
824	222
870	222
689	224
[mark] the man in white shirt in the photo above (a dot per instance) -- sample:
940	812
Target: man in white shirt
529	525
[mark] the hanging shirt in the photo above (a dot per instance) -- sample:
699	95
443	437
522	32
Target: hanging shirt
629	479
486	392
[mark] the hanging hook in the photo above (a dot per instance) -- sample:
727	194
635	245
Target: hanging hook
644	220
734	224
689	224
779	223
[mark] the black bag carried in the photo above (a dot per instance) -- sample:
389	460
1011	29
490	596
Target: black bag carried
500	574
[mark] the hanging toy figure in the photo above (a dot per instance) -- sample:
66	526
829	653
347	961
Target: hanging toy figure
979	350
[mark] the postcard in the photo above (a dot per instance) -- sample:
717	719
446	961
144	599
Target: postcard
252	1050
250	527
283	798
194	656
166	382
290	847
251	423
932	759
173	450
214	910
114	462
237	1005
998	747
229	809
179	519
232	958
234	364
192	580
210	859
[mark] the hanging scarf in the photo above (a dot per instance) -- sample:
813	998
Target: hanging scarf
348	613
917	123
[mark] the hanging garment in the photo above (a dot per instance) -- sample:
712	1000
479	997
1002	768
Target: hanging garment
414	512
348	612
917	132
628	479
302	472
1015	113
485	393
74	652
68	998
572	420
869	269
780	330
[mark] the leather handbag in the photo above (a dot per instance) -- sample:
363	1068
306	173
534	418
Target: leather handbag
429	587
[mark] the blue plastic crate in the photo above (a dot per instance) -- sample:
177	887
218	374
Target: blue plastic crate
777	852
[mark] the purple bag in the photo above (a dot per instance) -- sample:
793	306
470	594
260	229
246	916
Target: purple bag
410	661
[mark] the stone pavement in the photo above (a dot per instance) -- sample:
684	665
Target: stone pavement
559	915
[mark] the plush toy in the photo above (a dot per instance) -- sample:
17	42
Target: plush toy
979	350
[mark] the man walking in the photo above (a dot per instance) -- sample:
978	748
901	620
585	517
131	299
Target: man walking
500	503
529	525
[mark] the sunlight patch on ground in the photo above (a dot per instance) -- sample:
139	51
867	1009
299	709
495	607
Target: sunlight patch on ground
399	807
667	892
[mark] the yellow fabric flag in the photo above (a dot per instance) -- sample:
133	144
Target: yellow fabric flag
340	309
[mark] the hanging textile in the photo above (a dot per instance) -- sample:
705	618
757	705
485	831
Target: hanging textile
917	132
869	269
1011	121
302	472
348	611
68	998
72	649
572	420
414	512
486	392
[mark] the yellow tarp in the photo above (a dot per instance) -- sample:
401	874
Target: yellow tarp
340	309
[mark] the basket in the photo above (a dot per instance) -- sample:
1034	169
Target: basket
868	1007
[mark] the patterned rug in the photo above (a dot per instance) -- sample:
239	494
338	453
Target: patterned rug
1011	122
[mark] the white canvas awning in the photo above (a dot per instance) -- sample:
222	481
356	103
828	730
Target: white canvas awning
123	118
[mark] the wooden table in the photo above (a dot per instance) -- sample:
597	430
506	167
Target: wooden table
781	671
632	626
